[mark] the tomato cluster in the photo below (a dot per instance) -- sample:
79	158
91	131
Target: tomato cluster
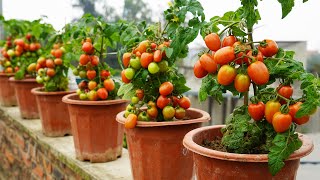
166	105
272	111
235	62
98	83
148	55
47	67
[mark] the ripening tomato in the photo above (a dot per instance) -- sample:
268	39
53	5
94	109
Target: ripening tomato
32	47
38	66
92	85
213	41
84	59
56	46
270	109
281	122
198	70
162	101
92	95
9	70
242	83
207	63
153	46
51	72
168	112
257	57
126	59
124	78
258	72
146	59
104	74
270	49
94	60
102	93
109	84
166	88
226	75
58	53
175	101
50	63
229	41
285	91
241	50
184	102
91	74
83	85
87	47
129	73
157	56
293	109
142	47
256	111
224	55
152	111
180	113
131	121
140	94
58	61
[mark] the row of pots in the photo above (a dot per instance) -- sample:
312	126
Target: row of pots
157	150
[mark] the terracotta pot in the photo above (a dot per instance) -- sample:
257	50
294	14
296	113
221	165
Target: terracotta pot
211	164
26	100
7	94
97	136
156	150
53	112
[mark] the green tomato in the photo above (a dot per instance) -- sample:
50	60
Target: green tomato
130	107
46	78
82	74
143	116
163	65
168	112
39	80
63	49
75	72
7	64
126	113
78	91
41	72
10	52
135	100
153	68
83	96
39	52
129	73
135	63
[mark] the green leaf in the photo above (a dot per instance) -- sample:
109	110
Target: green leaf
169	52
283	145
126	91
286	6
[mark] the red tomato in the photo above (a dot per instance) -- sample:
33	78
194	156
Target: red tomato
51	72
126	59
286	91
229	41
102	93
243	49
242	83
162	101
152	111
184	102
109	84
281	122
166	88
50	63
258	72
131	121
198	70
226	75
213	41
271	108
146	59
207	63
91	74
256	111
257	57
58	53
94	60
293	109
58	61
142	47
87	47
224	55
84	59
271	48
180	113
157	56
140	94
104	74
124	78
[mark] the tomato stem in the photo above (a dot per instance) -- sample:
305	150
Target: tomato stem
227	27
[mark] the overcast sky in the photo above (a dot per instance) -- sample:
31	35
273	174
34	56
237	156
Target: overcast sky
301	24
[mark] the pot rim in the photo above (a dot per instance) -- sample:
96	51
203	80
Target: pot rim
25	80
67	99
205	118
37	91
7	74
305	149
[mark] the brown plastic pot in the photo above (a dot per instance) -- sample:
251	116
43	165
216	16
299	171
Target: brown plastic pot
53	112
97	135
26	100
156	150
7	94
212	164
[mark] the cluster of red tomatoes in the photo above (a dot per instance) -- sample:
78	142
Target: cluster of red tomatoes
169	106
229	55
16	49
97	85
280	120
46	68
147	55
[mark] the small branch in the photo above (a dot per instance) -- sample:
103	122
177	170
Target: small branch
246	98
227	27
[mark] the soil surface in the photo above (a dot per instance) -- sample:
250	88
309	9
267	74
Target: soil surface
215	144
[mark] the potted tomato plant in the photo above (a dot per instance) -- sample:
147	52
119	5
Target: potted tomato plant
52	72
93	109
159	115
259	140
27	51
